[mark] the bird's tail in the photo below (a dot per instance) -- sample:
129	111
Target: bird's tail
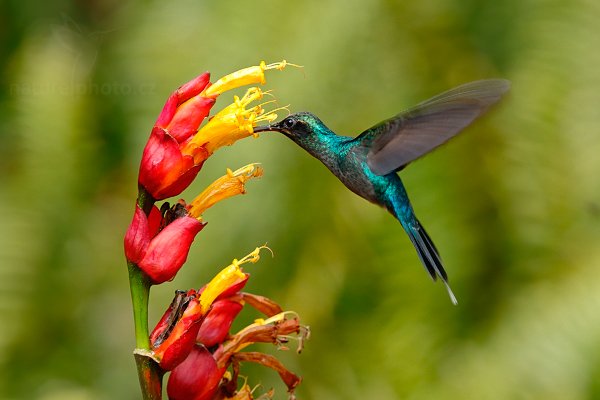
428	254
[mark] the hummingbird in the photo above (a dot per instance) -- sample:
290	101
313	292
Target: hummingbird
368	163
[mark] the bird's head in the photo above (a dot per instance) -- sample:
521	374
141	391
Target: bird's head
302	127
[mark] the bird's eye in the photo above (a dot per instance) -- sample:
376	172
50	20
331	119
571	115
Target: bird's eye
289	123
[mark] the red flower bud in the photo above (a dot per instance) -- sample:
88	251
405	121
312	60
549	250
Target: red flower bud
168	250
196	378
174	337
215	327
165	171
139	233
160	254
165	326
186	108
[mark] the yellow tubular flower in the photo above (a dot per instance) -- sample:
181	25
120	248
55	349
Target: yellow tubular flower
231	124
231	184
246	76
226	278
222	281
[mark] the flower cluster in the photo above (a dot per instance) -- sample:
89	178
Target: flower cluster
192	339
158	243
177	148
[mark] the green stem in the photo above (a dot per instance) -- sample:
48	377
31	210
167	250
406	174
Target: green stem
139	285
149	372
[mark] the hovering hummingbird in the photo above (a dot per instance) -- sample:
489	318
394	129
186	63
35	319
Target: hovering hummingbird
368	163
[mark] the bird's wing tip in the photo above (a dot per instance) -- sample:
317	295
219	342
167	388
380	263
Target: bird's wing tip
451	294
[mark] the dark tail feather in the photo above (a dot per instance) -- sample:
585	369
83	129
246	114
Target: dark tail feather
429	255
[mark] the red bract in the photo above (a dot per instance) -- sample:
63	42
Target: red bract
186	108
165	171
197	378
174	337
160	254
216	325
165	326
140	232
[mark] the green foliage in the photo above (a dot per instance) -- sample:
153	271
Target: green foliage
513	205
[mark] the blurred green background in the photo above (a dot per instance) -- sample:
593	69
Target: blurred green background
513	205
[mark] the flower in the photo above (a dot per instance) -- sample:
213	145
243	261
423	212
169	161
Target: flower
204	375
195	377
159	244
176	332
229	185
160	253
164	171
247	76
176	149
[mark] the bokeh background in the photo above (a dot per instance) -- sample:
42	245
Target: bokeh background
513	205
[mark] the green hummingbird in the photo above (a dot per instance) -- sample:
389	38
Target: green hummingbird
368	163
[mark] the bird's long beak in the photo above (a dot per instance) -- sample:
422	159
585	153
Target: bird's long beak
266	128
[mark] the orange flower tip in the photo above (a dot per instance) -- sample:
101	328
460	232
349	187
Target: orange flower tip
246	76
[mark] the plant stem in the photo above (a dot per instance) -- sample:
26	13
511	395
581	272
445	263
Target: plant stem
150	376
140	291
149	372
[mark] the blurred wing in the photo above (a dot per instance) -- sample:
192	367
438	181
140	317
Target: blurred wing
415	132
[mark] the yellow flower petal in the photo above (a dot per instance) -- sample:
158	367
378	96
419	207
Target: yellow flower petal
247	76
226	278
221	282
231	184
231	124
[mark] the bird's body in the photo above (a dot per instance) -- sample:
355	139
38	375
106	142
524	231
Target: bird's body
368	163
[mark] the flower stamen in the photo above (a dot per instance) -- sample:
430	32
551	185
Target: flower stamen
232	123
